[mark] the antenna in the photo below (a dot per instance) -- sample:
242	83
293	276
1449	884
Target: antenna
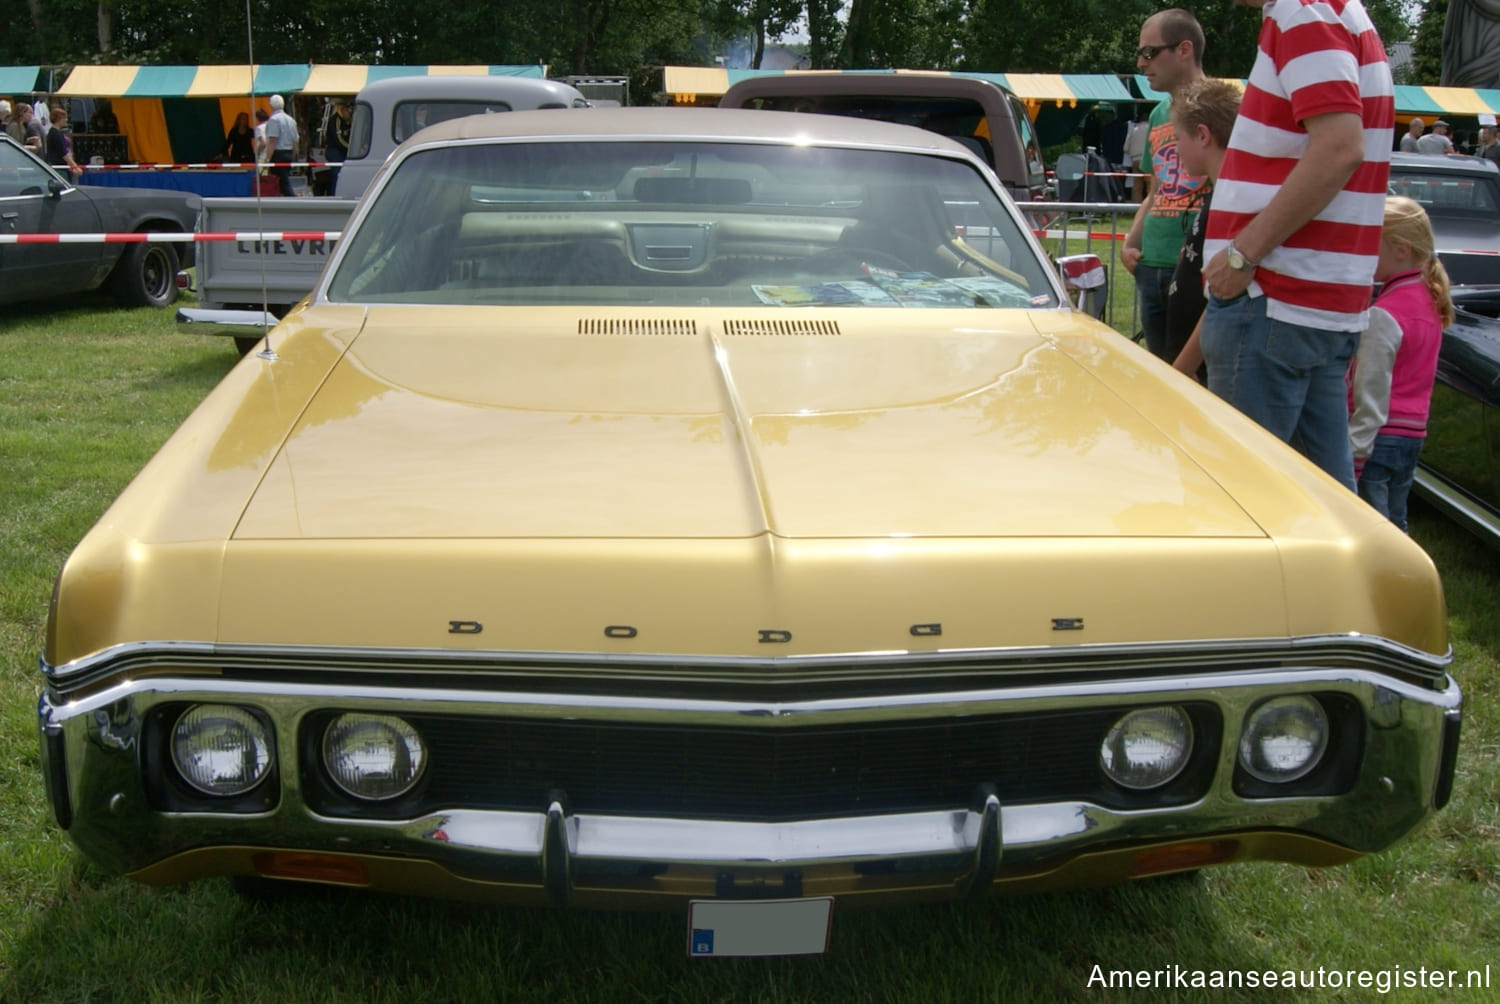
268	353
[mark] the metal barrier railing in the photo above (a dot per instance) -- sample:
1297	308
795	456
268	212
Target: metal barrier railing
1100	228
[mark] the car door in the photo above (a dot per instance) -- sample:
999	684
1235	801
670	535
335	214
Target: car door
34	199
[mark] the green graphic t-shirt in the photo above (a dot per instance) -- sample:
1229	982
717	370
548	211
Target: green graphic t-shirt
1177	194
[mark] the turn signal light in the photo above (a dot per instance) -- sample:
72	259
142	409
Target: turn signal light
1181	857
312	867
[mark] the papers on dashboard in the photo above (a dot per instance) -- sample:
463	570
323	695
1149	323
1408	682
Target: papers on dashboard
889	288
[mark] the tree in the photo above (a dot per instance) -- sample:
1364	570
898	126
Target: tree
889	34
1427	48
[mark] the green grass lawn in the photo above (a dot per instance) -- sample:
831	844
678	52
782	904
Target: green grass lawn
87	393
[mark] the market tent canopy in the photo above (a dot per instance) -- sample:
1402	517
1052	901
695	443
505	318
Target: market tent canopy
688	83
1414	100
183	81
1147	94
18	79
1070	88
337	78
1410	99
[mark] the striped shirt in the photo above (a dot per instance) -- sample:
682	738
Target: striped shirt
1316	57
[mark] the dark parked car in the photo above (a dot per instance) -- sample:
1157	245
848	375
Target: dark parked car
1462	196
35	199
1460	467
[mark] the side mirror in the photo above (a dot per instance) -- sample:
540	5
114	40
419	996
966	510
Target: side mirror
1087	283
55	188
1081	271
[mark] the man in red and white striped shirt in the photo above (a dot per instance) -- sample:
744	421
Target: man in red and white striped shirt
1295	229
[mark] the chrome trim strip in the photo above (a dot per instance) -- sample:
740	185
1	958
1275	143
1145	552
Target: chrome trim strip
746	713
1378	653
1458	504
727	843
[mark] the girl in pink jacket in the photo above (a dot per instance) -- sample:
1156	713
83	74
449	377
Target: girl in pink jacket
1391	376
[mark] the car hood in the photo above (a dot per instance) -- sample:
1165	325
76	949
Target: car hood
689	483
656	428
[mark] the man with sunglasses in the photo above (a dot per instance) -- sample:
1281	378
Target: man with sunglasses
1171	58
1294	233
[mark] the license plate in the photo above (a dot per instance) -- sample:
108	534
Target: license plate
734	927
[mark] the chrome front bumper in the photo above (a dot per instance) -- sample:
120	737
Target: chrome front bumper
91	749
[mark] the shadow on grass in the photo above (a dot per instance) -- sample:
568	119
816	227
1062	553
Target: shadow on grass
200	370
205	942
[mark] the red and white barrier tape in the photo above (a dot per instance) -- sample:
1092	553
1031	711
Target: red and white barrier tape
210	165
1078	235
155	237
1103	174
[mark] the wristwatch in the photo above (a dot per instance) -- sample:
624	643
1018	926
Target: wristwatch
1238	261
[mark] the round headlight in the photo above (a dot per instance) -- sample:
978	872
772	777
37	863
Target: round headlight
220	749
1284	738
373	756
1147	747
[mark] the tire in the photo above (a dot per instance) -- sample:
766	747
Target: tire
146	276
244	343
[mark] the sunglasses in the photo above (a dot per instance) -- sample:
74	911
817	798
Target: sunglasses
1149	52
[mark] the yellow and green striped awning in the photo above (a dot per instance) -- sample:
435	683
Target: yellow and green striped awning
1415	100
233	81
337	79
182	81
1411	99
688	83
18	79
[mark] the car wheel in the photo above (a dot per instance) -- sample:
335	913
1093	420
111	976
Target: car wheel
146	276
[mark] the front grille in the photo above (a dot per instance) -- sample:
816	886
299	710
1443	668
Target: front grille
765	774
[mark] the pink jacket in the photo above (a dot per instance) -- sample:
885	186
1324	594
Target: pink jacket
1391	377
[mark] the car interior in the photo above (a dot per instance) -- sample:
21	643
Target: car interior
689	225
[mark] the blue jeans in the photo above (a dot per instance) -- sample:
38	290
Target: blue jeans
1386	480
1151	287
1288	377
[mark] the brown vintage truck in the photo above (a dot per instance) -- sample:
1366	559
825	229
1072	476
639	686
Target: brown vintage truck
982	115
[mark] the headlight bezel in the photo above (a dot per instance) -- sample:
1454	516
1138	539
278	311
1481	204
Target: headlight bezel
1337	769
1163	713
166	790
1306	712
260	733
372	721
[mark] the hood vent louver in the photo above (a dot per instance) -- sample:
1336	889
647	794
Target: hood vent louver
793	326
636	326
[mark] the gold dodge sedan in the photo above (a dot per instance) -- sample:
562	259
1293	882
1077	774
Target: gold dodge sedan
727	509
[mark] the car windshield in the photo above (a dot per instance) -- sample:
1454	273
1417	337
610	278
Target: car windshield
688	224
1448	192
